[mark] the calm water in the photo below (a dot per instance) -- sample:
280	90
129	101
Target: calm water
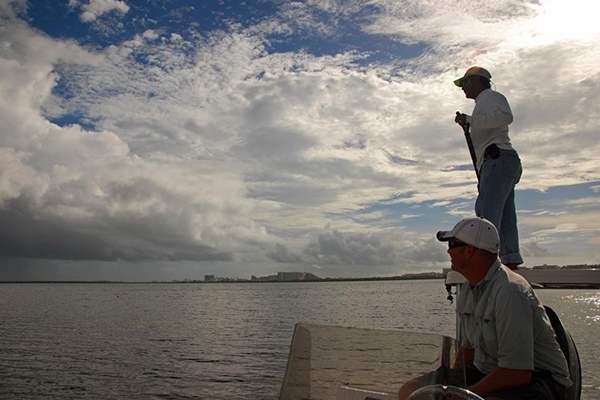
214	341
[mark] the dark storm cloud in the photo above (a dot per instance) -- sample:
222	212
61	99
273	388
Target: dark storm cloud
359	248
24	236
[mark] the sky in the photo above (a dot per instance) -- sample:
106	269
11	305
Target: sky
171	139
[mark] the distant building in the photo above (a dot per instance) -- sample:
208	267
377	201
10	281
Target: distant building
546	266
289	276
296	276
268	278
581	266
576	266
308	276
209	278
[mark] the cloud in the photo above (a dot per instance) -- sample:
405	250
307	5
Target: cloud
72	194
562	228
218	146
531	248
393	249
96	8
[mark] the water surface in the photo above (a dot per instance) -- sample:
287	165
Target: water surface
214	341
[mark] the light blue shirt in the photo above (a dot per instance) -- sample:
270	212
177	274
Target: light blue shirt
504	321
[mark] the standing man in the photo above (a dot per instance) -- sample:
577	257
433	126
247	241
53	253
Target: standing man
498	163
507	343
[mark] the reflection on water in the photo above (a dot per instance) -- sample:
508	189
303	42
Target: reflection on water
214	341
579	311
592	301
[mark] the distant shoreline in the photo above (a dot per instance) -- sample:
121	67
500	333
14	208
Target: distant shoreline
428	276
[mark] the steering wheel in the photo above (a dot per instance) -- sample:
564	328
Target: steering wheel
441	392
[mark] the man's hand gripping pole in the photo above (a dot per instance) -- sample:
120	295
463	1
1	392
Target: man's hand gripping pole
470	145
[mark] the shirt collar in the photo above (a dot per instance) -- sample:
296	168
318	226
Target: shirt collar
483	91
488	276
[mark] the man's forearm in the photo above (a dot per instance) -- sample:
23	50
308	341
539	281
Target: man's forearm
501	379
464	357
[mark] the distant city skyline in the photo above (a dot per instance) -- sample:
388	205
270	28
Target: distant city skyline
292	276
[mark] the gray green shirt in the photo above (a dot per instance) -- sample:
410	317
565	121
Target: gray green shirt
504	321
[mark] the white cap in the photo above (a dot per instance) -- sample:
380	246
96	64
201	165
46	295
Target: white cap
476	231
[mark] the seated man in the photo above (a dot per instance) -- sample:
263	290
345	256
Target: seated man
507	343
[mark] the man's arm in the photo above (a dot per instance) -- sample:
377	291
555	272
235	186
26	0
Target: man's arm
464	357
494	112
501	379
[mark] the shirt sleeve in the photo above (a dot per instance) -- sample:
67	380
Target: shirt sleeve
491	112
514	329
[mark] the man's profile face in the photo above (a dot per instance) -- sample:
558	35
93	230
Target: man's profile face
456	250
471	87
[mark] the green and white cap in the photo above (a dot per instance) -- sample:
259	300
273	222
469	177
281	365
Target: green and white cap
473	71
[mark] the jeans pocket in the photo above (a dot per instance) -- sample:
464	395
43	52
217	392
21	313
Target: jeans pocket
511	166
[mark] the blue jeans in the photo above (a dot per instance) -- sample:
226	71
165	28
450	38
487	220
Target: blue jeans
496	201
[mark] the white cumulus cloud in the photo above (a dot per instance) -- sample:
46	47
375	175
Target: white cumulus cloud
95	8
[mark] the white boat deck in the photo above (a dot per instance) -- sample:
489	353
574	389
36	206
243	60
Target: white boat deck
564	277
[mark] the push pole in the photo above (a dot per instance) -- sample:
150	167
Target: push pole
470	145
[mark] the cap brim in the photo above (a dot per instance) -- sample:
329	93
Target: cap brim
445	236
458	82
